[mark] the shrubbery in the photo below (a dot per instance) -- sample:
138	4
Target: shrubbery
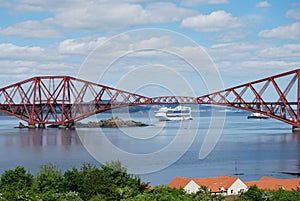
111	182
88	183
255	193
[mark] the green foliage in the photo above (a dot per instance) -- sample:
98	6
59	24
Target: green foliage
110	183
48	182
17	179
282	195
165	193
88	182
15	184
115	166
204	194
256	194
162	193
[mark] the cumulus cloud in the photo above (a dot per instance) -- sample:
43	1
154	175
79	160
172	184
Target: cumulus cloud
200	2
253	69
118	16
80	46
239	60
229	36
89	15
8	50
288	51
12	52
294	14
233	51
291	31
215	21
13	71
154	42
32	29
263	4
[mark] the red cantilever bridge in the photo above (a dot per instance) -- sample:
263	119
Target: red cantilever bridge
64	100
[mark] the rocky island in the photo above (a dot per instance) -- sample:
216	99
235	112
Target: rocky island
114	122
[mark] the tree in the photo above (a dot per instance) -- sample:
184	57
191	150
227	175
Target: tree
283	195
127	185
17	179
48	182
162	193
15	183
89	181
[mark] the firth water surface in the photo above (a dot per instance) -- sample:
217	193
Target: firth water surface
249	147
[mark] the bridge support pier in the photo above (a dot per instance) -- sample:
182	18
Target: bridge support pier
42	126
71	125
296	129
62	126
31	125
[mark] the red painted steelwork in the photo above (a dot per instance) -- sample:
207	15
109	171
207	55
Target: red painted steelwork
268	97
64	100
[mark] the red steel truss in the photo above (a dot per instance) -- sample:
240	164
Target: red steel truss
64	100
276	96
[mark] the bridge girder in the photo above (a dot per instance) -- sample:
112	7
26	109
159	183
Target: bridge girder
64	99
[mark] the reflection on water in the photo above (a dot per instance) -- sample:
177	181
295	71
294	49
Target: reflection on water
260	147
42	137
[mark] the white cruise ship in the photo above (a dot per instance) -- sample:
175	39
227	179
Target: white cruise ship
178	113
257	116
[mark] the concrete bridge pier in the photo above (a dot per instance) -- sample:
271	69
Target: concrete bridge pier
62	126
31	125
71	125
42	126
296	128
67	126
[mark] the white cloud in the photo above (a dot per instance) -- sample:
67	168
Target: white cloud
250	70
215	21
5	4
291	31
288	51
294	14
91	15
229	36
32	29
80	46
251	60
263	4
200	2
13	71
154	42
233	51
8	50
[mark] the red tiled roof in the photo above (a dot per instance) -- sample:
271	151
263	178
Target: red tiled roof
215	184
179	182
275	183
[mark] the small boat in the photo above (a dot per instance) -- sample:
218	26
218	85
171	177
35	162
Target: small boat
178	113
256	115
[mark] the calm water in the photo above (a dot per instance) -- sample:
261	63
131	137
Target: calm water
251	147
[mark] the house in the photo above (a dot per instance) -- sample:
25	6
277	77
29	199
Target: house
179	182
226	185
270	183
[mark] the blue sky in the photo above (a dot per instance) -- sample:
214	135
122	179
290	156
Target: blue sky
245	39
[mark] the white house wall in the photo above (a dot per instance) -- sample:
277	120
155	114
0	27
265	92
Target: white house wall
191	187
236	188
